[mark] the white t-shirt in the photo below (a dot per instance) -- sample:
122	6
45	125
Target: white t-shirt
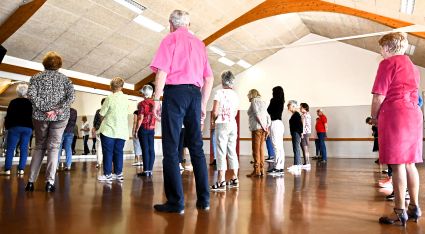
84	126
228	103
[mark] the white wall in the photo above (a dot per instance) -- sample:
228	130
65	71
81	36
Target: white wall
336	76
332	74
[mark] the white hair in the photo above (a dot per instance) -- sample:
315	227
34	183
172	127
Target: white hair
179	18
147	91
293	103
227	79
22	90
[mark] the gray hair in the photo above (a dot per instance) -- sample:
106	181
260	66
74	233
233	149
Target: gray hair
179	18
147	91
293	103
22	90
227	79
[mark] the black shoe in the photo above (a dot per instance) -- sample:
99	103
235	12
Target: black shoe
145	173
377	161
29	187
202	207
167	209
50	187
213	163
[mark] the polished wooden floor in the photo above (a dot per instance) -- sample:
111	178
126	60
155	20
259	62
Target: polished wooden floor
340	197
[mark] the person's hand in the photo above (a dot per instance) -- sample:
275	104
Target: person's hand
202	128
51	114
135	135
157	110
375	122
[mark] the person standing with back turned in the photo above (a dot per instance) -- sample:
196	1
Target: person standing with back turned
185	77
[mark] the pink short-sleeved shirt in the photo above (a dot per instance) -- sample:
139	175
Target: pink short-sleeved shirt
183	57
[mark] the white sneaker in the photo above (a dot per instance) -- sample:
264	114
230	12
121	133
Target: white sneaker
105	178
6	173
181	167
119	177
306	167
20	172
137	164
188	167
294	168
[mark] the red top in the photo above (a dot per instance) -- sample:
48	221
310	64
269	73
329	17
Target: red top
320	123
145	108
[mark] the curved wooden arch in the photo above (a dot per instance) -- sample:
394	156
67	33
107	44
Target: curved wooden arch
277	7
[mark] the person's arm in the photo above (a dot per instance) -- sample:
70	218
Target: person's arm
206	92
135	125
160	78
214	114
139	122
376	105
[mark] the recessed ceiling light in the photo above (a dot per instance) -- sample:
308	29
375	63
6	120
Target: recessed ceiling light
226	61
132	5
407	6
217	51
244	64
148	23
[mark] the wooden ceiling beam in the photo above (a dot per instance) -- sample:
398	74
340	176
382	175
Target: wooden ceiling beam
30	72
277	7
18	18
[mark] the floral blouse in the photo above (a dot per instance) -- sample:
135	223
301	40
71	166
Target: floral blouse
50	90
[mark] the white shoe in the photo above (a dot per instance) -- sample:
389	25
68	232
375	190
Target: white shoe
137	164
294	168
188	168
105	178
20	172
181	167
119	177
306	167
5	173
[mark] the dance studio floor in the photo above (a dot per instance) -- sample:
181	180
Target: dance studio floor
338	198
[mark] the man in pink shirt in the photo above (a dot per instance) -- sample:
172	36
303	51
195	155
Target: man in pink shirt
185	77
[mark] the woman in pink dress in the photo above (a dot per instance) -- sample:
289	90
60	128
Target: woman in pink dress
396	112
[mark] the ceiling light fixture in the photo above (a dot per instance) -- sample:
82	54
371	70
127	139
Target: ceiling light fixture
132	5
407	6
410	49
217	51
148	23
244	64
226	61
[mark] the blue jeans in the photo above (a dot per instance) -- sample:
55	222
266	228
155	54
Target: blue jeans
66	144
269	145
322	136
214	143
15	135
112	149
296	146
146	138
182	104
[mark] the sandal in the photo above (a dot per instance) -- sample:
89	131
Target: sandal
233	183
219	186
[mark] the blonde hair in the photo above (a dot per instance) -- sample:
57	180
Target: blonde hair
52	61
253	93
396	43
117	83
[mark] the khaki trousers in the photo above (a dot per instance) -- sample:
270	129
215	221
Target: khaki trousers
258	142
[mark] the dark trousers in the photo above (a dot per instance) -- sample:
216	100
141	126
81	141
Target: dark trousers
112	149
317	145
181	146
146	139
322	136
74	141
86	145
296	146
182	104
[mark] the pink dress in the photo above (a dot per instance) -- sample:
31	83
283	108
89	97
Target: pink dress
399	118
